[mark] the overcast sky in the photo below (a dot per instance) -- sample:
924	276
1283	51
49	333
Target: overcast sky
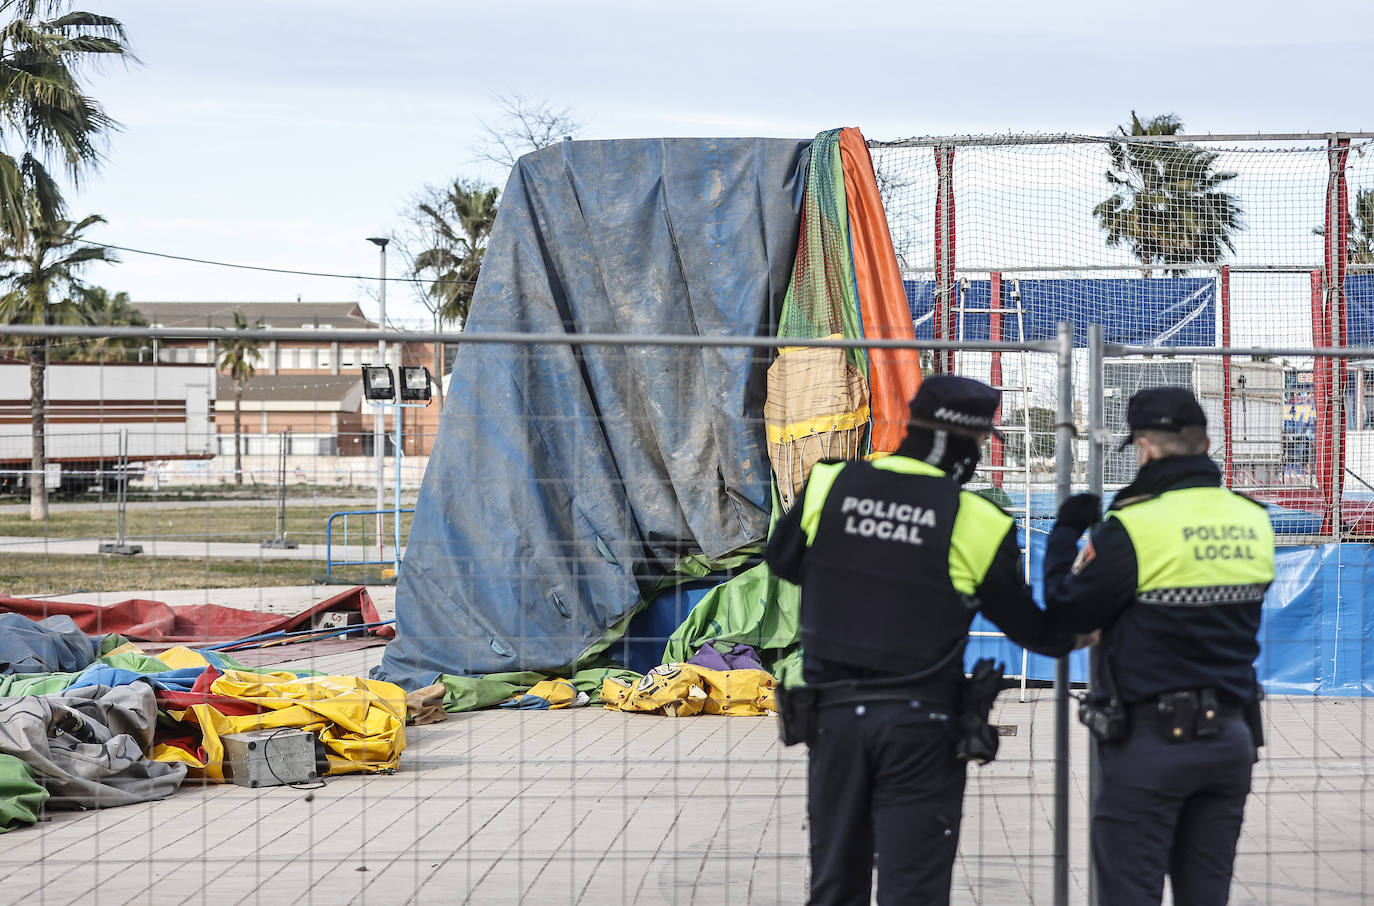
284	132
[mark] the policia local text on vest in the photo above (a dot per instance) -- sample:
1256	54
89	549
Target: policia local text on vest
1174	576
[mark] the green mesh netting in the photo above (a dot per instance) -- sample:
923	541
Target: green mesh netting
821	297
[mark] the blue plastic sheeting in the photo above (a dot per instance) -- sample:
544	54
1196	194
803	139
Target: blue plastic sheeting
564	476
1317	634
641	649
179	680
1359	309
51	645
1166	311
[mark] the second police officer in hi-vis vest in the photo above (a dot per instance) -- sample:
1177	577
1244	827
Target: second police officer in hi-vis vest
894	560
1174	575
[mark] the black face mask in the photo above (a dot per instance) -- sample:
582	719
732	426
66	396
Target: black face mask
957	455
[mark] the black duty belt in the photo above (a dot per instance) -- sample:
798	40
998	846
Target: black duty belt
1185	714
857	692
1148	712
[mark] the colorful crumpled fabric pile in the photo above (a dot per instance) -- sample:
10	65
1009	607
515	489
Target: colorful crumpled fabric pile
683	690
115	703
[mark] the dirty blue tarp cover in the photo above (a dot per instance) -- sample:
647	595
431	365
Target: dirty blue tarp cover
1163	311
565	479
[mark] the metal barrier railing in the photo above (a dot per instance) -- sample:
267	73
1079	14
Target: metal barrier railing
330	562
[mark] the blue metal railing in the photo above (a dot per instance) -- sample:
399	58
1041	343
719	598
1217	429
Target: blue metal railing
330	562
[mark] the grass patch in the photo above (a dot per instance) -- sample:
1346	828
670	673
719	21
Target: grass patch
250	523
61	574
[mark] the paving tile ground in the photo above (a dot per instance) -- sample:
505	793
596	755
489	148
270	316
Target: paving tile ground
595	807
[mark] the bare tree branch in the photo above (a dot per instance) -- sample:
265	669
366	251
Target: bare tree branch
526	124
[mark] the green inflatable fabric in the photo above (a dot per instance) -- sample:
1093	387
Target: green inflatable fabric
468	693
21	797
755	608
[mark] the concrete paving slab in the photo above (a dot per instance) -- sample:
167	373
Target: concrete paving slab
593	807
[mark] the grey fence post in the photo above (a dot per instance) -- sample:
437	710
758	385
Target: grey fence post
279	541
1063	473
1097	440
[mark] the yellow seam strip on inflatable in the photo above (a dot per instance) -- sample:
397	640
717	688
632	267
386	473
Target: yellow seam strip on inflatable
821	424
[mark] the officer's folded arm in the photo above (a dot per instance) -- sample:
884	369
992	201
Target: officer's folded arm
1085	589
1006	600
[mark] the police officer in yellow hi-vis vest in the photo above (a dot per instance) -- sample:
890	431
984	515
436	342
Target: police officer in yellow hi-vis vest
894	560
1174	576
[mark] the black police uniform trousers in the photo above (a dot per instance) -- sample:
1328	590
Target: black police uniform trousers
882	779
1170	807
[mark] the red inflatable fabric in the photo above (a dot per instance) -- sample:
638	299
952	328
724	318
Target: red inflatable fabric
893	374
154	621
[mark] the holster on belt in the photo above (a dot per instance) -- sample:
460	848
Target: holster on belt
977	739
797	707
1189	714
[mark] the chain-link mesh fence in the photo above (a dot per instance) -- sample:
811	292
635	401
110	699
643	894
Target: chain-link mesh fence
1000	242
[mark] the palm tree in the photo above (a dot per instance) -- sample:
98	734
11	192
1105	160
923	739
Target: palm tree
1167	205
42	287
239	356
1359	227
98	306
457	221
46	118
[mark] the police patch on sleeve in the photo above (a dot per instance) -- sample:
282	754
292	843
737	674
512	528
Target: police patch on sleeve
1086	554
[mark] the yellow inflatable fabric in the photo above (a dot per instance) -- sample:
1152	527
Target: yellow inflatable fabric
548	695
361	722
682	690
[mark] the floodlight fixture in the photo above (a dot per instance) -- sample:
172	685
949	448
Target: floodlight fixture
414	382
377	383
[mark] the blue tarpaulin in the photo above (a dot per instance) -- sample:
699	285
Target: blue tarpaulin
1164	311
1359	309
566	479
1317	634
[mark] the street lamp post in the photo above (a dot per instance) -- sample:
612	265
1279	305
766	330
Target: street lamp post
379	416
410	390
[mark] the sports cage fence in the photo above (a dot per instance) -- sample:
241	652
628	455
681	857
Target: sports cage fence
1241	267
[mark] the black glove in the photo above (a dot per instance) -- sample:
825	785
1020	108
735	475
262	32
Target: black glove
976	738
1081	511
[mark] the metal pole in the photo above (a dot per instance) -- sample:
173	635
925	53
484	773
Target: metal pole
379	416
281	486
279	541
1097	440
396	513
1063	473
120	546
1227	436
122	488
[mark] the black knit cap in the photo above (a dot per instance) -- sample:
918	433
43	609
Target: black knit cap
1162	409
955	403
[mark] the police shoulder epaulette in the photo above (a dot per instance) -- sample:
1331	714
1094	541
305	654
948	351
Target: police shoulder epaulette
1259	503
1120	503
985	498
